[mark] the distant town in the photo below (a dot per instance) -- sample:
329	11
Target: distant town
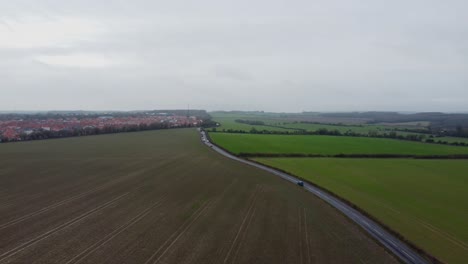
20	127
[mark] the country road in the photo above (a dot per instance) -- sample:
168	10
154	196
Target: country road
392	243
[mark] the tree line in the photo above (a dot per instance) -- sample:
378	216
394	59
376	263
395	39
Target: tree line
378	156
250	122
88	131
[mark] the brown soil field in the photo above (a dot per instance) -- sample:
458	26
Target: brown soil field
161	197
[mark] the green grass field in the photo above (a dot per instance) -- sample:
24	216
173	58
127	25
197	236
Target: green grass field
283	124
327	145
363	129
451	139
227	122
424	200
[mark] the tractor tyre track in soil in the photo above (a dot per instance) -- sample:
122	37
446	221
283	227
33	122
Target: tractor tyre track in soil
59	228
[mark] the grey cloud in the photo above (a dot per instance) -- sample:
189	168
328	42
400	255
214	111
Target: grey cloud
285	55
234	74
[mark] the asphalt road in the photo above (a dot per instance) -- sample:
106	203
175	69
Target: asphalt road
392	243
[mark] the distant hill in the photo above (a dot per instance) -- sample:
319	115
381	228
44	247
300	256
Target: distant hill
200	114
438	121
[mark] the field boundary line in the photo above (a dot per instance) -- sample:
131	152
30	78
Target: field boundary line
206	206
48	208
91	249
177	233
102	185
244	234
435	230
63	202
300	236
45	235
306	232
253	199
183	232
444	234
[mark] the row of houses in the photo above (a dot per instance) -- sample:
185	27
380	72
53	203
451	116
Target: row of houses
13	129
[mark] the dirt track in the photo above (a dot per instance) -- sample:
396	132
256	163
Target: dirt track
161	197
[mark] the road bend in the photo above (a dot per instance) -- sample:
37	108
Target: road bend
391	242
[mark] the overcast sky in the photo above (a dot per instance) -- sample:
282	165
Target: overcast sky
311	55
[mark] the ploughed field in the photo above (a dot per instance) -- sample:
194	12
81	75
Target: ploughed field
161	197
327	145
426	201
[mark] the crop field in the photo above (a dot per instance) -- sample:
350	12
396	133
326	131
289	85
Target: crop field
327	145
291	117
227	121
359	129
161	197
424	200
230	123
414	124
285	124
452	139
364	129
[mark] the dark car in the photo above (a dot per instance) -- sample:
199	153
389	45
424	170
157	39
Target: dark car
300	183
